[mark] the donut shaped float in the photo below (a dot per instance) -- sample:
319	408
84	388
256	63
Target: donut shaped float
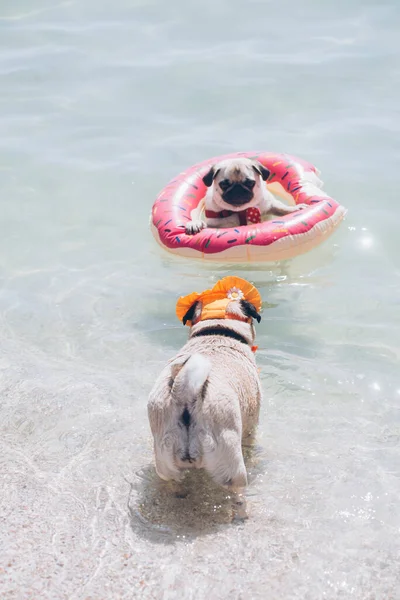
280	238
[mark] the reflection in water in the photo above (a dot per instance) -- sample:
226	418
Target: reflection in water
168	511
194	507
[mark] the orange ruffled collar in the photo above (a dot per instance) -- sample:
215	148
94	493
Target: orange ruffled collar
217	298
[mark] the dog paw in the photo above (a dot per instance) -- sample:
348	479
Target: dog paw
240	510
194	227
301	206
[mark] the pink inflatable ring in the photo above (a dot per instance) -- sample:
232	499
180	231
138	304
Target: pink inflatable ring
292	179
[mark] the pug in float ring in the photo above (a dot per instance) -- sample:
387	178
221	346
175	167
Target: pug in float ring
237	195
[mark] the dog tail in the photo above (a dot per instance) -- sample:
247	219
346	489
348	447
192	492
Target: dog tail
176	440
186	389
189	378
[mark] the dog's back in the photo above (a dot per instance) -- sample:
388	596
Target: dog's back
198	407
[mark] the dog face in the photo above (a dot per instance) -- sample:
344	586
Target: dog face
237	183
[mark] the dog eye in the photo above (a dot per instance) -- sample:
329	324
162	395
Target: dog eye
224	184
250	183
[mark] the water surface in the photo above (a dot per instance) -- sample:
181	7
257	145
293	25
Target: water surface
100	105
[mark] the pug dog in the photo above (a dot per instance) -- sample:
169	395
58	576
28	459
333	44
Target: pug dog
237	195
207	398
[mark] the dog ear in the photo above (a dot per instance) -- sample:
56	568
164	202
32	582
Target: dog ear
210	176
190	313
250	310
261	170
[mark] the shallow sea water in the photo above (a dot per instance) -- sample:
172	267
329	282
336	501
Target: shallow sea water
100	105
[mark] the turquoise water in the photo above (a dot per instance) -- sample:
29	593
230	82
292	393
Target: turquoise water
101	104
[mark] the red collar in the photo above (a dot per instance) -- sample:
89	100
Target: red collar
252	215
210	214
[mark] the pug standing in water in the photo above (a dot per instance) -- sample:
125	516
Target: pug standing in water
237	195
207	398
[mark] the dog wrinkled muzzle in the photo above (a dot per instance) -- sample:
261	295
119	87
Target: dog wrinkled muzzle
237	195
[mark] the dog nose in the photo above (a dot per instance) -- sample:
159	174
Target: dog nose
237	195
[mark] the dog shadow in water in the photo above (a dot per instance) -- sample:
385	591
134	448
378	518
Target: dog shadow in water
165	512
